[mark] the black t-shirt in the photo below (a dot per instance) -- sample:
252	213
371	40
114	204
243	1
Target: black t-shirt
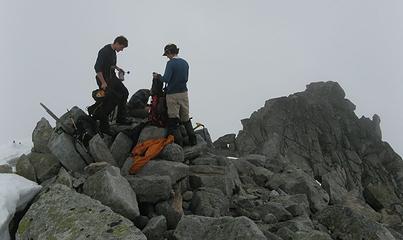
105	60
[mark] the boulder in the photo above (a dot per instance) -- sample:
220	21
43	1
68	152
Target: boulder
212	176
256	159
125	169
204	133
112	190
141	221
344	223
64	178
285	233
121	148
83	152
151	132
296	204
151	189
46	165
355	203
174	170
334	184
297	224
271	236
313	235
229	228
196	150
155	228
296	181
25	169
276	209
187	196
62	146
172	152
210	202
206	160
172	210
5	168
226	142
41	136
95	167
100	151
69	119
270	219
379	196
62	213
256	209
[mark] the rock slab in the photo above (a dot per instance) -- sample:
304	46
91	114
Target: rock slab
113	190
62	213
229	228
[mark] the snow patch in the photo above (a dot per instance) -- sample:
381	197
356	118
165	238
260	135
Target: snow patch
15	193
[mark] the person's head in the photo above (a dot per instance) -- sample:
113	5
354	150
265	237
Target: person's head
120	43
170	50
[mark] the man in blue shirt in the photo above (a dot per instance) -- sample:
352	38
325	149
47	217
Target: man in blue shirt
176	76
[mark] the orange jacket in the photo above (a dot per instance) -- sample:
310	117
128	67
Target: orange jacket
144	152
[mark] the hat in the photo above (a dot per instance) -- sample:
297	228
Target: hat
172	48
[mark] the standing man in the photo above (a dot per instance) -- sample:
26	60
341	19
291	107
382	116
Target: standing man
176	76
116	92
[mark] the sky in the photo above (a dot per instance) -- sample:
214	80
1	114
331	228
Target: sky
241	53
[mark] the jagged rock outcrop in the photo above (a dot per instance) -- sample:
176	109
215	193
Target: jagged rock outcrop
303	167
345	223
315	137
41	135
318	132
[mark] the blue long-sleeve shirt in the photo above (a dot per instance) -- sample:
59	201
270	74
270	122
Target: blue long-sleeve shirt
176	75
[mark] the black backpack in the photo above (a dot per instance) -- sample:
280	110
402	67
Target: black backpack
86	129
158	114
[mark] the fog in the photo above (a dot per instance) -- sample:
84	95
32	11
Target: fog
241	53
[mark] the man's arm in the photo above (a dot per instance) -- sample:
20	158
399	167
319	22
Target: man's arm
98	69
102	80
168	73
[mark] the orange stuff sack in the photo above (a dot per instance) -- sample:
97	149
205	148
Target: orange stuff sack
145	151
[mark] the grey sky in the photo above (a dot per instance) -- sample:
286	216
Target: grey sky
241	53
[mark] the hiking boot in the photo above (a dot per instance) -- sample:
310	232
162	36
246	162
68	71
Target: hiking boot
190	132
173	129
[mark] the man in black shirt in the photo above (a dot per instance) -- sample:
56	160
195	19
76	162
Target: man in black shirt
116	92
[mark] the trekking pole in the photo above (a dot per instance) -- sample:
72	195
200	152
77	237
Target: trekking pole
49	112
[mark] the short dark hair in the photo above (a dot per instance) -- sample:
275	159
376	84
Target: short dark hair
171	49
121	40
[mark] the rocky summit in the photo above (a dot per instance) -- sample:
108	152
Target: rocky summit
303	167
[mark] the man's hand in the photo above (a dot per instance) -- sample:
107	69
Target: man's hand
102	80
119	69
104	85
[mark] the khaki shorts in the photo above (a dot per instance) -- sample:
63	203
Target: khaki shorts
178	106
